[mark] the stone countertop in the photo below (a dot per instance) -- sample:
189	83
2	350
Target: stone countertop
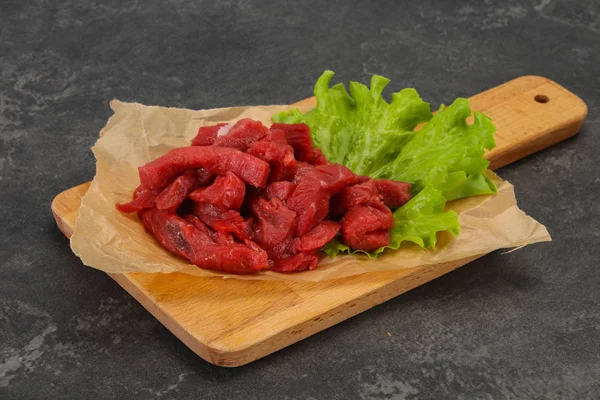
518	325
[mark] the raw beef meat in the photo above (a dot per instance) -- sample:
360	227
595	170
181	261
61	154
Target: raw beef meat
245	198
226	192
395	193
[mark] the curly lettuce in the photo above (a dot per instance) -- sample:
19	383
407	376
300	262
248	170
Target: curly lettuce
444	160
360	130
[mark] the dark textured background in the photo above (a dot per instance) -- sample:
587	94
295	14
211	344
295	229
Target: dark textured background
521	325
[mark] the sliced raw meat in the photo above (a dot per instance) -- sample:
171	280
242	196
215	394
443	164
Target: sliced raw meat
204	176
249	224
281	190
223	238
310	200
232	258
316	157
173	195
394	193
172	231
297	136
311	197
219	237
227	221
277	136
253	245
279	156
242	134
274	222
335	177
318	237
361	194
373	240
142	198
302	168
362	179
298	262
367	228
206	233
283	250
218	160
207	135
251	169
183	238
226	192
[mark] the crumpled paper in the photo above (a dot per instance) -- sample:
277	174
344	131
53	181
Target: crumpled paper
114	242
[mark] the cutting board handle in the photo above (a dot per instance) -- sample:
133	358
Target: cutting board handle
530	114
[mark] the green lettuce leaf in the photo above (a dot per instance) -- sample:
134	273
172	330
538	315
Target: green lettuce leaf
361	130
449	144
444	160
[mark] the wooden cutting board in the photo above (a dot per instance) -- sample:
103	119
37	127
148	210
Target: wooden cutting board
233	322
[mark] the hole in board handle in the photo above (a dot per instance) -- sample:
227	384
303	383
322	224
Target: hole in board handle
541	98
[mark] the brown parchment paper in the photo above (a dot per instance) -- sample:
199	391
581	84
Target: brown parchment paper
114	242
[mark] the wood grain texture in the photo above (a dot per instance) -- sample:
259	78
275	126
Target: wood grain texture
234	322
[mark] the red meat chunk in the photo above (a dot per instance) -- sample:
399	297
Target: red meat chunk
232	258
226	192
317	158
365	193
249	224
302	168
173	195
242	134
253	245
223	238
175	233
183	238
209	235
218	160
394	193
318	237
310	200
361	194
279	156
204	176
142	198
226	221
251	169
335	177
140	215
205	232
283	250
367	228
277	136
281	190
311	197
298	262
274	224
297	136
206	135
